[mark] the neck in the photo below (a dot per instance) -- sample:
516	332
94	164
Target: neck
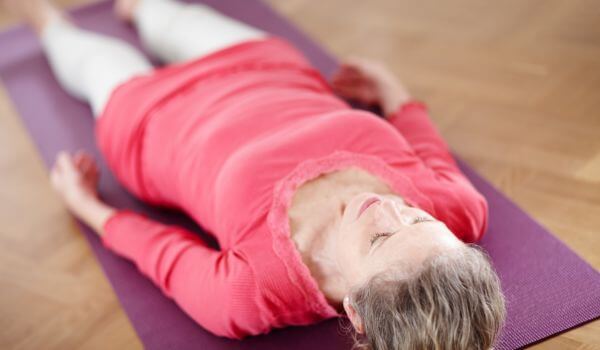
328	271
315	240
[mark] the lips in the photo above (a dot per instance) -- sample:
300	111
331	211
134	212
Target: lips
366	204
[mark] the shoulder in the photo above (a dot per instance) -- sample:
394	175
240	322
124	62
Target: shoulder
460	206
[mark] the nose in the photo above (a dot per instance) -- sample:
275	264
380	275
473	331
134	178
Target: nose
389	209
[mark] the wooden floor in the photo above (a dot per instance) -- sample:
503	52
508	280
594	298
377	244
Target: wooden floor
513	85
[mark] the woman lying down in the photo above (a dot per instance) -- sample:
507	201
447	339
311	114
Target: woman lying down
320	210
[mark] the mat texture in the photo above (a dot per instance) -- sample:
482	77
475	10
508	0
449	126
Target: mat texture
548	287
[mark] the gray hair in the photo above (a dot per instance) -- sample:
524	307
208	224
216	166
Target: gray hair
452	301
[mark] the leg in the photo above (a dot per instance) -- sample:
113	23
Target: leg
87	65
175	31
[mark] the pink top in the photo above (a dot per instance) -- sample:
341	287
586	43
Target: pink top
227	138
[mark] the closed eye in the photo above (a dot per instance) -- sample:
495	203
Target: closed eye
417	220
379	235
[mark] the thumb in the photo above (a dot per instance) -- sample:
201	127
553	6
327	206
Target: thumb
66	165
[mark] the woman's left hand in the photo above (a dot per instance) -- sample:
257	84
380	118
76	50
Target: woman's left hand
369	82
75	178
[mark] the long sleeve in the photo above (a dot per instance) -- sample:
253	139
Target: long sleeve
216	288
467	208
413	122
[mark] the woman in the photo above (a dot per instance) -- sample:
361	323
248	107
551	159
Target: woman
320	210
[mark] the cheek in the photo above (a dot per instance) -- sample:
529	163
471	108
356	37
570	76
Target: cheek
352	244
353	237
350	256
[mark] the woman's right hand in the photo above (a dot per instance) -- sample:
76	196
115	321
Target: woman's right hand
369	82
75	178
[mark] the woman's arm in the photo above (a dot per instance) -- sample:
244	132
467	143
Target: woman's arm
466	210
371	83
215	288
412	120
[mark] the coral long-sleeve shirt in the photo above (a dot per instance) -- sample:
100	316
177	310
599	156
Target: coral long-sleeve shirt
227	138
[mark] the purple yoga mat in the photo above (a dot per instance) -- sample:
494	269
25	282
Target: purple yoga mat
548	287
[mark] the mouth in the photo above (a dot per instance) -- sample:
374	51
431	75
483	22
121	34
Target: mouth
367	203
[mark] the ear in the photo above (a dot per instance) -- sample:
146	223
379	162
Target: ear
353	316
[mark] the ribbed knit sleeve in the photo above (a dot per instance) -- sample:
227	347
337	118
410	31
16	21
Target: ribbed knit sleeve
466	210
215	288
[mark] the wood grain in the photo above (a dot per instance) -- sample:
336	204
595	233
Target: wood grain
514	87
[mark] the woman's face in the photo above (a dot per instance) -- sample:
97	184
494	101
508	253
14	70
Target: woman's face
379	230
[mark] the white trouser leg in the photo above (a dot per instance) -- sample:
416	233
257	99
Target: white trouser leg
89	65
176	31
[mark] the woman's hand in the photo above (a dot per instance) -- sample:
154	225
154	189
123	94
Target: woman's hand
75	178
369	82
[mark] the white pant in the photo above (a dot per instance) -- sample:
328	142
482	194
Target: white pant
89	65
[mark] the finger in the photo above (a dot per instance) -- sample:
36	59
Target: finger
95	176
85	158
59	160
347	79
83	168
347	87
89	170
94	173
94	166
91	162
54	176
63	158
345	92
368	66
350	78
354	63
348	68
66	163
79	161
350	81
350	71
80	157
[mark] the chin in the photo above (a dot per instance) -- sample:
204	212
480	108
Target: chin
353	206
348	209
